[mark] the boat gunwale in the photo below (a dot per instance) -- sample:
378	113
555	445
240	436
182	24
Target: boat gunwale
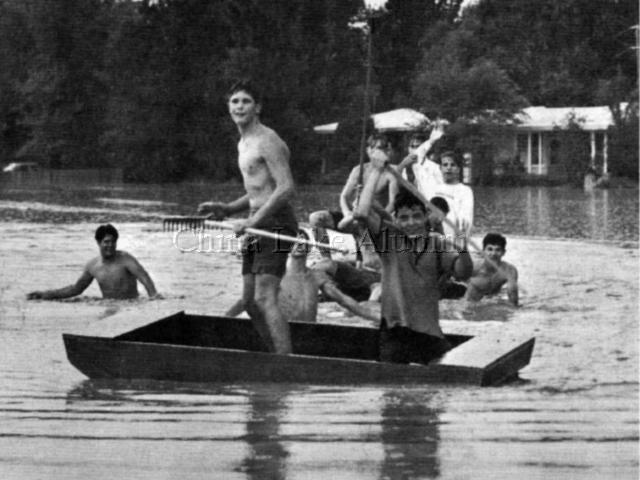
416	366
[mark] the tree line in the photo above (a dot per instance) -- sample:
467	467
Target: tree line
140	85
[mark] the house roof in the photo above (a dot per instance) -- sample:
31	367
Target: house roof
545	118
399	120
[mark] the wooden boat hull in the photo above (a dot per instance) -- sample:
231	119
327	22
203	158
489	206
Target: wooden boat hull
196	348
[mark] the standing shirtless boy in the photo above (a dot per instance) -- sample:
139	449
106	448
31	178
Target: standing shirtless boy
263	158
487	279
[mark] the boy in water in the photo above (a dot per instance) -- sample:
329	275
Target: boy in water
263	158
487	279
117	272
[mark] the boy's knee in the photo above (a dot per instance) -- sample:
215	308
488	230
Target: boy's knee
265	298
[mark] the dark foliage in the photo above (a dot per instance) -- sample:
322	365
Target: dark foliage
140	85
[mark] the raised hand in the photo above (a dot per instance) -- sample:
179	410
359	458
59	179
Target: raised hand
438	130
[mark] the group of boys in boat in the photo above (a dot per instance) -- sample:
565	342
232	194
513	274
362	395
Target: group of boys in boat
411	223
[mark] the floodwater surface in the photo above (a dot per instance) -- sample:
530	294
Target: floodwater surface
574	414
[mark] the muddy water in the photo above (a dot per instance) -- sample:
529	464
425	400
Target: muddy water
574	415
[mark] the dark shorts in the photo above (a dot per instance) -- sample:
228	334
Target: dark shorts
403	345
451	289
337	217
262	255
355	282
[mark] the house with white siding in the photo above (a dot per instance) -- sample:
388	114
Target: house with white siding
535	140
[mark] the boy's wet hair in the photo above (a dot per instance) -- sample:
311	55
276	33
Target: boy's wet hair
494	239
441	204
455	156
404	198
376	137
104	230
245	85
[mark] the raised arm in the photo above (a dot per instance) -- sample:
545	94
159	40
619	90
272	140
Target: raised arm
141	275
436	133
364	211
65	292
393	191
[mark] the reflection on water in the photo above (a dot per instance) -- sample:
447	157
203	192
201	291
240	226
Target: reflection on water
564	212
393	435
267	456
558	212
410	436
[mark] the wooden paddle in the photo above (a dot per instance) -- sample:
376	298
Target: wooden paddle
275	236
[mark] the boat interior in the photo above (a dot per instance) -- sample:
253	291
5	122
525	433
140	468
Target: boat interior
318	339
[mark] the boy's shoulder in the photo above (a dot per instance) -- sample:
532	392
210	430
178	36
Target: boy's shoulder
510	267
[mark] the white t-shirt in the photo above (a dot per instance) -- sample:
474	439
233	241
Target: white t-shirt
431	184
460	200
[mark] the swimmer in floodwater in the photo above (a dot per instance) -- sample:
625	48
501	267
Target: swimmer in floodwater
488	280
116	271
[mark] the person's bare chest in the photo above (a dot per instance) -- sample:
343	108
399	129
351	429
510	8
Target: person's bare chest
250	160
495	278
111	273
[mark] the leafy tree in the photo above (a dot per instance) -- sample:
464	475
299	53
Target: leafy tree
64	94
16	49
556	52
141	84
